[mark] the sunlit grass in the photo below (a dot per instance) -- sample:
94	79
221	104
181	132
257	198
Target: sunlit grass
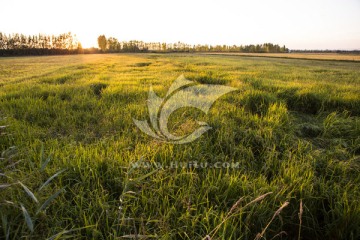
292	128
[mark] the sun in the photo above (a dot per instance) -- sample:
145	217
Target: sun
87	40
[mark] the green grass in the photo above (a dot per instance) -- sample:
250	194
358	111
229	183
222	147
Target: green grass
69	146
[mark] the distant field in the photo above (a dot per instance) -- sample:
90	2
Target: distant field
74	165
318	56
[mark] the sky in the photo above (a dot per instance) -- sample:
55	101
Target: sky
298	24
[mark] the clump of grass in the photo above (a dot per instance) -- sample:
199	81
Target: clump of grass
309	103
45	95
202	64
337	125
344	129
97	88
309	130
65	96
254	82
288	94
142	64
62	80
22	197
277	213
305	102
258	102
209	78
231	212
341	104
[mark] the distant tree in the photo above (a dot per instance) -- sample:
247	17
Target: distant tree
113	45
163	47
2	41
80	49
284	49
102	42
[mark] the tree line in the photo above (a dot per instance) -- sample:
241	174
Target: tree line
41	44
112	45
67	43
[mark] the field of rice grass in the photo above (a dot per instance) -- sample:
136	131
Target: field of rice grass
297	55
74	165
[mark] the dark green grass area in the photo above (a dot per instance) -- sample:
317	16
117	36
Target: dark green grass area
74	165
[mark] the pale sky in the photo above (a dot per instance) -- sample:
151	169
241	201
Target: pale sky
299	24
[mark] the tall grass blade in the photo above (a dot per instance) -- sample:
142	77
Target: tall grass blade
51	178
29	193
44	164
58	235
4	185
27	217
5	226
49	200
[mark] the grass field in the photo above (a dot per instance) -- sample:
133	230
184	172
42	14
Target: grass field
310	56
74	165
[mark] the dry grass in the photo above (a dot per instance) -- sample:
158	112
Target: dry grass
314	56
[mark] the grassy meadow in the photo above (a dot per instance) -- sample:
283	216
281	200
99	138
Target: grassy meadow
74	165
297	55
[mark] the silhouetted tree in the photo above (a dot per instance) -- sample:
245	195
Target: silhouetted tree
102	42
20	44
